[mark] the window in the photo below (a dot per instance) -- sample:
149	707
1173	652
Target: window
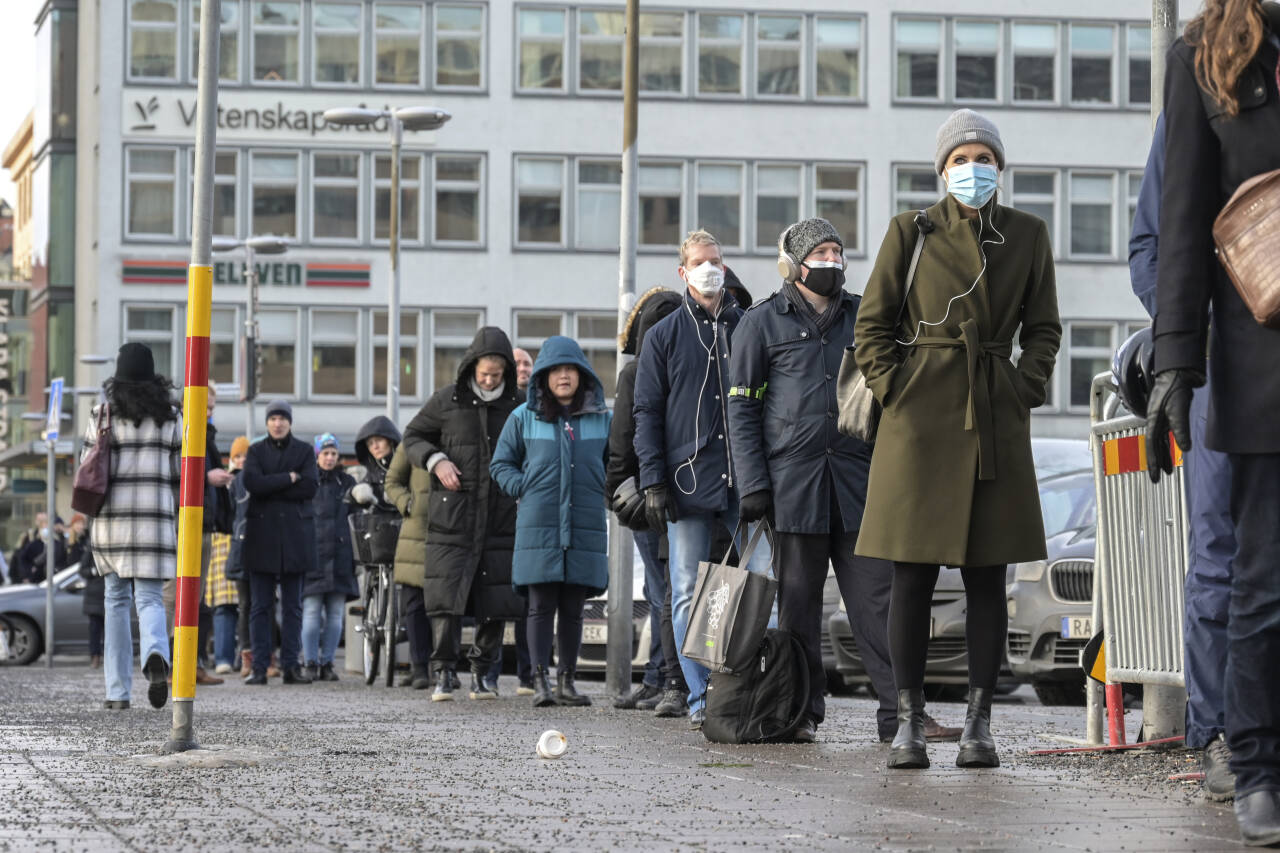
597	335
408	374
837	62
837	198
540	200
1139	56
1092	224
153	326
275	40
660	189
277	350
542	49
459	46
919	45
153	39
223	343
719	54
410	198
977	58
600	38
915	188
335	196
229	41
600	50
1134	181
151	201
778	49
662	52
334	338
335	45
457	188
275	194
225	191
1035	62
1091	347
599	204
534	327
1092	47
397	40
720	201
777	202
452	334
1036	193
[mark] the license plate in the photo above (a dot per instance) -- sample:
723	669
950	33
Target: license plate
595	634
1077	627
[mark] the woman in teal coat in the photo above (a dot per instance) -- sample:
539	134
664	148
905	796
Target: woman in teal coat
551	458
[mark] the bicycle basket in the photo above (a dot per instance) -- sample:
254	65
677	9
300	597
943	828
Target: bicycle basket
374	536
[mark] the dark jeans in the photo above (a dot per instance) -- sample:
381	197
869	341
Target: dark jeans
245	590
96	621
655	592
1253	625
417	625
1208	585
224	633
446	633
672	674
264	602
524	669
800	563
545	600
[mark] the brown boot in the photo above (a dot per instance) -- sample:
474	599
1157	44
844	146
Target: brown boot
203	677
95	661
273	668
936	732
246	663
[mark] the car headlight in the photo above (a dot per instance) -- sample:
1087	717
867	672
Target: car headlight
1013	608
1032	571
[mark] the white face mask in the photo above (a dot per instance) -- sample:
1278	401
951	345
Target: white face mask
707	278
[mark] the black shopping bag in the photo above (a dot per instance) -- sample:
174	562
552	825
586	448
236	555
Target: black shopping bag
730	610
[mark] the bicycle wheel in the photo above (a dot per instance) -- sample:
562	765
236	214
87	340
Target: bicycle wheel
370	624
391	625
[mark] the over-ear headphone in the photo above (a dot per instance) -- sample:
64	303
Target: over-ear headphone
788	266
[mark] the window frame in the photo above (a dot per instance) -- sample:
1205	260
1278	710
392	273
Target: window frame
1011	89
600	188
1113	56
218	180
527	342
802	57
376	184
695	206
314	182
941	81
314	32
684	42
295	341
772	247
858	196
147	336
436	340
237	334
193	27
299	33
1073	352
1056	200
953	53
179	55
541	192
681	197
357	344
1127	62
380	340
435	186
897	195
375	30
1114	176
590	345
860	97
696	42
433	61
301	226
568	61
176	177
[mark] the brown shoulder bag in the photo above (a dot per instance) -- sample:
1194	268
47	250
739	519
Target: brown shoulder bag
93	478
1247	233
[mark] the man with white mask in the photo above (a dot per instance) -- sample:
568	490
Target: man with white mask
682	436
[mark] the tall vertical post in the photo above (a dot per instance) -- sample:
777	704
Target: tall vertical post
50	563
1164	31
393	295
195	393
621	552
251	336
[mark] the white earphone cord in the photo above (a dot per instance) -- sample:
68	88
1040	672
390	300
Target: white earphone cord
972	287
706	377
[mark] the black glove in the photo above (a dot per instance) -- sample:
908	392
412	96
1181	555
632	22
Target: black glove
1169	409
756	506
657	509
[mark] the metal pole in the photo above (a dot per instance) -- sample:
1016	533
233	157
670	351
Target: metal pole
251	334
1164	31
621	552
393	296
50	563
195	394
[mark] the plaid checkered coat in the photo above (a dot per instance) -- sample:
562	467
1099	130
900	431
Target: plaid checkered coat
136	534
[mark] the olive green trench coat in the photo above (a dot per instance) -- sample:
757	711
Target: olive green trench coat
409	488
952	478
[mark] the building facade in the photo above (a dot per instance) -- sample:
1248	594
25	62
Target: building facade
752	115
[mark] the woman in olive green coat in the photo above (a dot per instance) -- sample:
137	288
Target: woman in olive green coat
409	488
952	480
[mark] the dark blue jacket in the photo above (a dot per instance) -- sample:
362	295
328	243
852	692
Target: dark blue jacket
555	469
782	417
280	530
334	569
1144	240
681	395
240	510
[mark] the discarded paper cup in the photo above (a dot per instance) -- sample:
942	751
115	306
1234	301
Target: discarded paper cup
552	744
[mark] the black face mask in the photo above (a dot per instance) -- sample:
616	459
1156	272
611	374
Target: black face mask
824	281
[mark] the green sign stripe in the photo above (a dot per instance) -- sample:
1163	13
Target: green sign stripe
337	275
176	272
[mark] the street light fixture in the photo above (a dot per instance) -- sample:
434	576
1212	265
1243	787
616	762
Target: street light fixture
264	245
401	119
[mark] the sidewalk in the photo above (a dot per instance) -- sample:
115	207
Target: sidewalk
344	766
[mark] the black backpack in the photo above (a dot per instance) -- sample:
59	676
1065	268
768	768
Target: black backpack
763	703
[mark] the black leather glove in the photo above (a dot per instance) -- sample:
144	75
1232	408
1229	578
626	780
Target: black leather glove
1169	410
756	506
657	508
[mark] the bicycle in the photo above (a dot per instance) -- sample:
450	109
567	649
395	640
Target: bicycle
379	625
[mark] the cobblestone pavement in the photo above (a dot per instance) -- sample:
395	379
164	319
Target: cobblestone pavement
344	766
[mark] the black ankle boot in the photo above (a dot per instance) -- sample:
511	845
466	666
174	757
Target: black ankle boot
977	747
908	750
542	695
566	693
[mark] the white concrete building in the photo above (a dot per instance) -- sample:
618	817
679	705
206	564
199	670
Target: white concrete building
753	114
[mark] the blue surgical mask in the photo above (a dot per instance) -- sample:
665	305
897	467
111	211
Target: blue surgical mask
972	184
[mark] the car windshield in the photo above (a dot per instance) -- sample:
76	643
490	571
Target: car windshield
1068	502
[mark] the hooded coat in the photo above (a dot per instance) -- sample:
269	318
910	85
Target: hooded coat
375	470
952	478
555	468
334	568
470	532
409	489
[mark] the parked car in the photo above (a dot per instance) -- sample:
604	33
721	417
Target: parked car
595	627
23	606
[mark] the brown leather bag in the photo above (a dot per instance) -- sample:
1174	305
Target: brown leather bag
93	478
1247	233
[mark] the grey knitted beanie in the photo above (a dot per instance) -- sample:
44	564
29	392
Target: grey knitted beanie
963	127
280	407
808	233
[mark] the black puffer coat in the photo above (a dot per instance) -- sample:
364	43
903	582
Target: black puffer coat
334	569
471	532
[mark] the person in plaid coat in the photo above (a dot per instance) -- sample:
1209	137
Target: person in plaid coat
135	534
223	598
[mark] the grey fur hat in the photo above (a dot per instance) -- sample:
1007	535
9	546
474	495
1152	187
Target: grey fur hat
963	127
802	237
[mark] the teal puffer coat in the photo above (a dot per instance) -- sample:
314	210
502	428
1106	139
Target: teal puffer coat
555	469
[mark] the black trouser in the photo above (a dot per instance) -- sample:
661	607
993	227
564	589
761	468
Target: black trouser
800	563
672	674
545	600
245	595
96	621
446	639
985	625
1253	624
204	634
264	602
417	625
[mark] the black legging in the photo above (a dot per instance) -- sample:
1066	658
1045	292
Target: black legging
544	600
986	622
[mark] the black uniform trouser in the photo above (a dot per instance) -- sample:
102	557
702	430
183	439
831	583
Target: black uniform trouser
446	641
800	563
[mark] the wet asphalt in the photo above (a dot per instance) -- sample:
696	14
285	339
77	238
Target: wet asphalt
342	766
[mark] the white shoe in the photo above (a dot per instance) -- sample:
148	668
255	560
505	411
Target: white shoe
222	668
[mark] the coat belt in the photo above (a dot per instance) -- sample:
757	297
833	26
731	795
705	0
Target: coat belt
978	415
